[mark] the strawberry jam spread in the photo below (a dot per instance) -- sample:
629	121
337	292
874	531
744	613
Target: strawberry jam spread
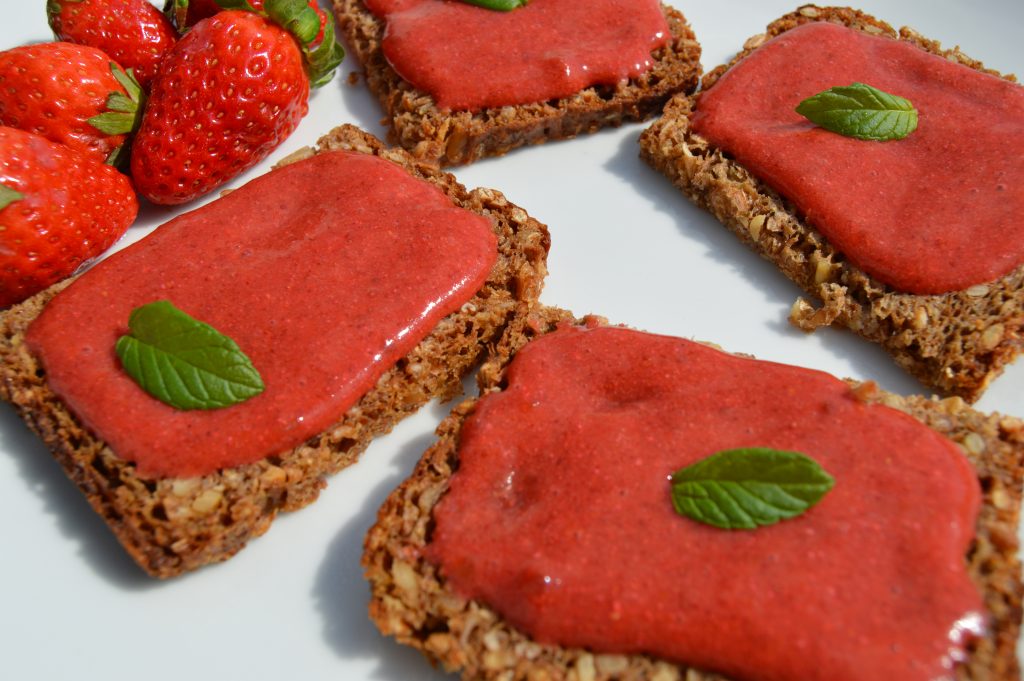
325	273
471	58
560	516
937	211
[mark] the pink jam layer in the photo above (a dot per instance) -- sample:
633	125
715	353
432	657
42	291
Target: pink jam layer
560	516
325	273
937	211
471	58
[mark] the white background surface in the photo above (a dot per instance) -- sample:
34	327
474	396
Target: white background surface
625	245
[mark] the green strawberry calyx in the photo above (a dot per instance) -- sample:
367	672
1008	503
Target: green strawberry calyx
325	57
303	22
124	111
9	196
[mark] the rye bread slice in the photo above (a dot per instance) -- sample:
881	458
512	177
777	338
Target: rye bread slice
411	600
458	137
173	525
954	343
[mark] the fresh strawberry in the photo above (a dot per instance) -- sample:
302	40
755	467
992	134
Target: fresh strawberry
133	32
58	208
231	91
72	94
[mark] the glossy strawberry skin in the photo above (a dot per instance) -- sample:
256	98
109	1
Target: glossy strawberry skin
133	32
52	89
230	92
72	209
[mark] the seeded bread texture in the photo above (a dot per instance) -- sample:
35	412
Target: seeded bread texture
955	343
173	525
412	602
458	137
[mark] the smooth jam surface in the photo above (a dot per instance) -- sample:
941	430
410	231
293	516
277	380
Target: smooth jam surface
471	58
325	273
937	211
560	516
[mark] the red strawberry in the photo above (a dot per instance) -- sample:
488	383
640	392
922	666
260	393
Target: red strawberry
230	92
133	32
58	209
72	94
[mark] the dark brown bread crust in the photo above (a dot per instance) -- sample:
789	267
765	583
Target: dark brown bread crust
173	525
449	138
955	343
412	602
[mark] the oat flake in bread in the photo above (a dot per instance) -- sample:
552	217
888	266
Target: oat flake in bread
952	325
170	524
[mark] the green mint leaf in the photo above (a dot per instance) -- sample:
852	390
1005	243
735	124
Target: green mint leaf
9	196
500	5
861	111
184	362
743	489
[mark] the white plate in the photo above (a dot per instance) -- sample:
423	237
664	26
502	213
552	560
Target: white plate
625	245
